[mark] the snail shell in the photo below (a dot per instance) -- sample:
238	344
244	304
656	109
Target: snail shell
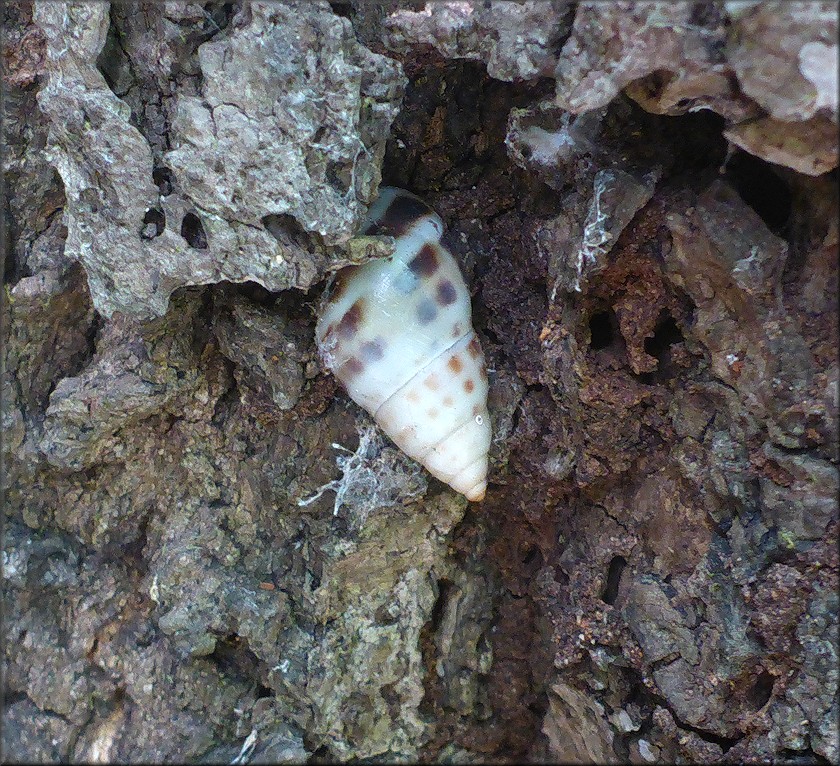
397	332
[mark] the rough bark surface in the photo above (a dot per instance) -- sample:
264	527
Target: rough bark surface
210	554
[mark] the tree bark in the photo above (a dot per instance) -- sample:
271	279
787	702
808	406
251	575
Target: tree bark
211	554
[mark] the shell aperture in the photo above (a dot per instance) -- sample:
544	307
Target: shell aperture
398	334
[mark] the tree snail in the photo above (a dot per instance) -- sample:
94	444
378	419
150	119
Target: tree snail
397	333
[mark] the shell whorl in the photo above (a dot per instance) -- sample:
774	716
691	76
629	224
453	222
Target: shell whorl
398	334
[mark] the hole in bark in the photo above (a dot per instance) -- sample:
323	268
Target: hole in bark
761	690
532	554
12	698
217	17
129	550
234	658
801	758
392	700
491	336
229	400
759	186
192	230
286	230
164	180
264	691
278	225
11	272
705	15
665	335
113	63
725	743
342	8
255	292
154	222
532	559
613	579
295	241
338	176
445	590
601	330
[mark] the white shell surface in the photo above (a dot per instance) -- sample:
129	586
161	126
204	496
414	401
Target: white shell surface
398	334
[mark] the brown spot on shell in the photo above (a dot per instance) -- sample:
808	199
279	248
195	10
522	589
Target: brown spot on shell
373	350
412	396
399	217
476	410
352	319
474	348
448	401
469	386
426	262
455	364
432	382
351	368
457	330
426	311
446	293
432	413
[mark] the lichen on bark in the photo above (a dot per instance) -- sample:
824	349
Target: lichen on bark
271	135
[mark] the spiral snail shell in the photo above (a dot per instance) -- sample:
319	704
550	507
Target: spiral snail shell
397	332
